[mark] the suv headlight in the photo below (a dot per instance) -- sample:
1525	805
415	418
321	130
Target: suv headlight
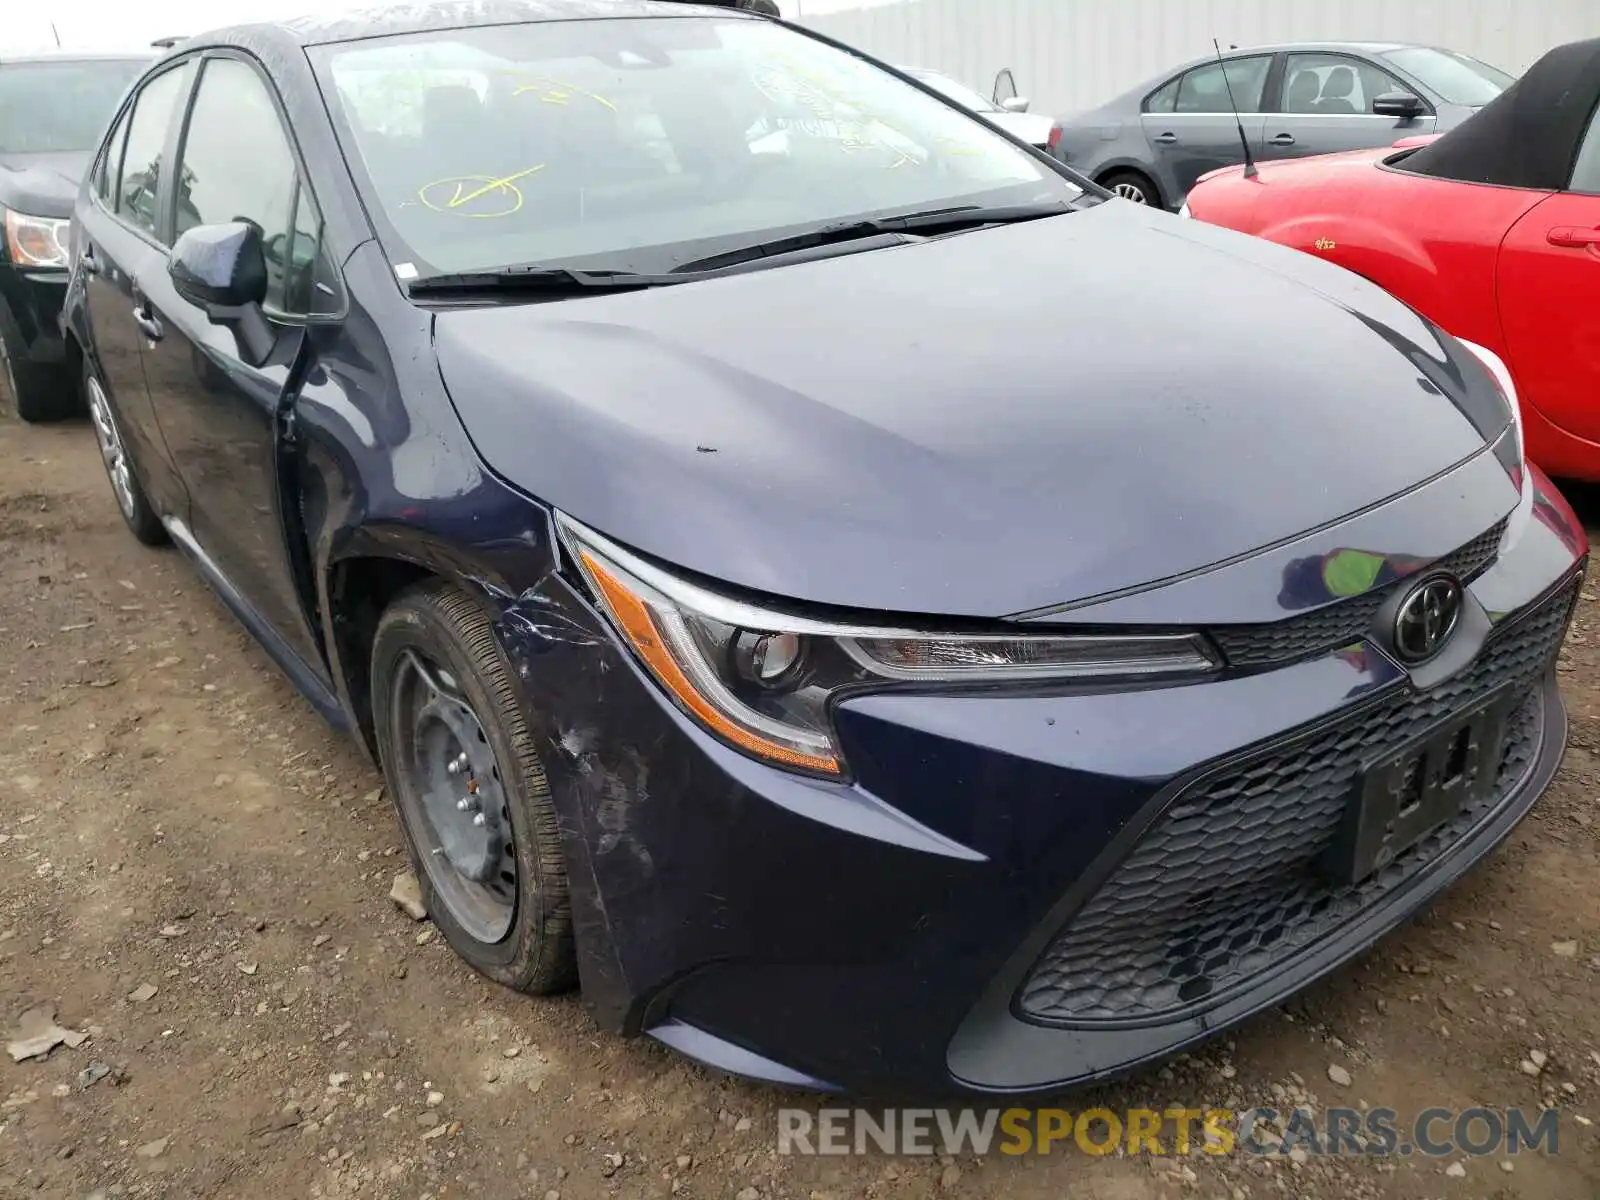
36	241
765	680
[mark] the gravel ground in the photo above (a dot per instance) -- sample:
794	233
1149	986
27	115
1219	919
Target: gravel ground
194	873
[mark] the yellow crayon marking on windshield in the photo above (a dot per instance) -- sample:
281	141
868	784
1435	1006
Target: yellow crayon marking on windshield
488	185
557	92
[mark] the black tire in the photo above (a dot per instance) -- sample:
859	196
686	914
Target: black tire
452	635
121	469
40	392
1133	186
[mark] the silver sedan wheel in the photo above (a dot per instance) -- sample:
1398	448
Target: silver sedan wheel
1131	191
111	449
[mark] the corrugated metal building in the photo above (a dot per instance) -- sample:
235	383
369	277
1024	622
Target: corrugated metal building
1069	55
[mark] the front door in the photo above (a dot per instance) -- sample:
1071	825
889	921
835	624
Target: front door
1325	105
1549	293
1191	125
219	412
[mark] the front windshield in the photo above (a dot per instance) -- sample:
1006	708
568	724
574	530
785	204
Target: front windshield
959	92
61	105
1454	78
639	144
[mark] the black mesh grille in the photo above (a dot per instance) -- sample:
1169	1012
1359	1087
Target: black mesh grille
1226	882
1341	623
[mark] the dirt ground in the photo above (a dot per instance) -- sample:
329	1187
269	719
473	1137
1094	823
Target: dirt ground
194	871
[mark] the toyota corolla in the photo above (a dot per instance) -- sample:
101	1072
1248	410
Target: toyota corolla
869	607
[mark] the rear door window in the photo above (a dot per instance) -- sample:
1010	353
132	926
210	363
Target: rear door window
1206	90
139	184
1165	98
109	168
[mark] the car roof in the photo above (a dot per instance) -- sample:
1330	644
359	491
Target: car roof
1368	47
356	23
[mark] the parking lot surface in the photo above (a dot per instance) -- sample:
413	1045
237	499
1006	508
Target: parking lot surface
194	872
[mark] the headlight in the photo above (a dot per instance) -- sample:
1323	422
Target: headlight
36	241
765	680
1508	390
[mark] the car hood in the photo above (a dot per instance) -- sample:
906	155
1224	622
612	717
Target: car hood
42	185
976	425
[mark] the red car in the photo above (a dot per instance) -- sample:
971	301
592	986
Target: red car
1491	230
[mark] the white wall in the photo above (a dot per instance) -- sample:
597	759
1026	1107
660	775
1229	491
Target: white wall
1069	55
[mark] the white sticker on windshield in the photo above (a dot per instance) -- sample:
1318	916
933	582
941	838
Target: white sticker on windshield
405	270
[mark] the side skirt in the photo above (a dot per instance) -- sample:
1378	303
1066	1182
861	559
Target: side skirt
300	674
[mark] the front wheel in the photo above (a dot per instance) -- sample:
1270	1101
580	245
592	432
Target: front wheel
39	391
470	792
1131	185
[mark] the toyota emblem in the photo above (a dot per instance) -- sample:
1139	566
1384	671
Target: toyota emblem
1427	618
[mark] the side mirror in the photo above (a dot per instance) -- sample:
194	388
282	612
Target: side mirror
1015	104
222	270
1397	104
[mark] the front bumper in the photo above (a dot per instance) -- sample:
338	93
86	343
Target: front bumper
30	313
935	927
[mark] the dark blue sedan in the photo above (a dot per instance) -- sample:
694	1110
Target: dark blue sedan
814	571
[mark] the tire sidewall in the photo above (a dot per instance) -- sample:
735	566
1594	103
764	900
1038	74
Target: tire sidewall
415	626
143	521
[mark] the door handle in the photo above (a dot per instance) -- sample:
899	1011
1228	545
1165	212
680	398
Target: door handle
1573	237
1166	139
147	323
91	264
1282	139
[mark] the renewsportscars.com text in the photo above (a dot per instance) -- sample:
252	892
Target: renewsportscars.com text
1433	1132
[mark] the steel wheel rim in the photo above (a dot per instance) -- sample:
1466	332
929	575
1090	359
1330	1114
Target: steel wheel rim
454	800
1131	191
111	448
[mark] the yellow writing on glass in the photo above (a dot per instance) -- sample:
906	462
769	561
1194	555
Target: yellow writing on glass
478	196
554	91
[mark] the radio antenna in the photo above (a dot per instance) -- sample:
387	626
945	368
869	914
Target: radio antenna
1244	142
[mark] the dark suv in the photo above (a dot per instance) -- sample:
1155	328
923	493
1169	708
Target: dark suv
53	110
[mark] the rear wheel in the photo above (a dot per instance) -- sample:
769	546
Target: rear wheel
120	469
469	790
1131	185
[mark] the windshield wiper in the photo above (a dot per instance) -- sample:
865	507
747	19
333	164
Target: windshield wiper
933	220
553	280
570	280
